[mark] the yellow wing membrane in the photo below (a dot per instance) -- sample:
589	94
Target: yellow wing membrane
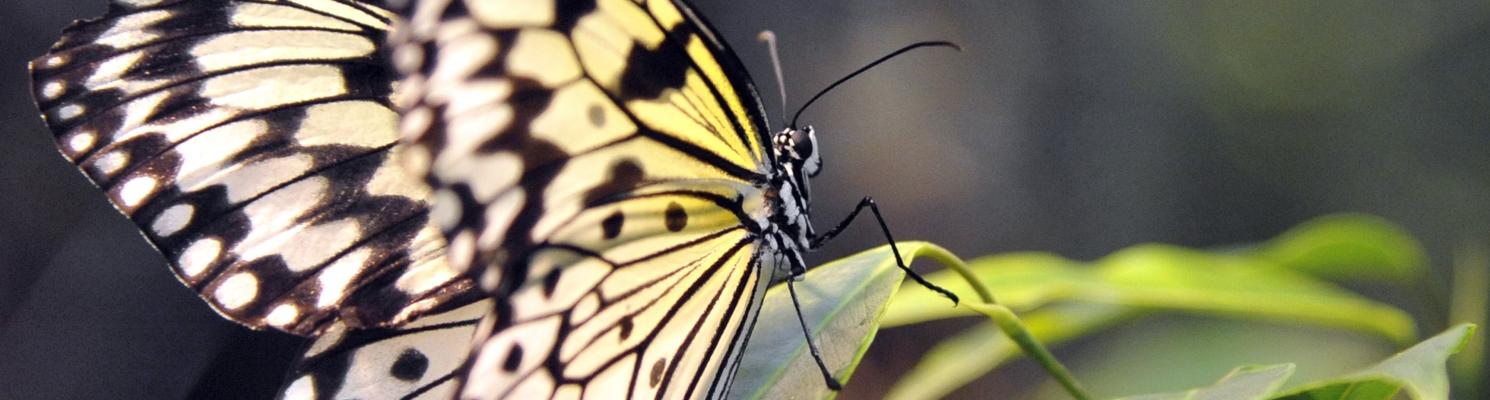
597	167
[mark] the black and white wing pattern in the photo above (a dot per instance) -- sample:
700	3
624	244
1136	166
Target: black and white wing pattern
253	143
586	204
418	360
599	169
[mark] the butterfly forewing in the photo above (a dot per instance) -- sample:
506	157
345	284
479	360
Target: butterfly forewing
253	143
597	166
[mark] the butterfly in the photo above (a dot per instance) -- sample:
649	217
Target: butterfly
586	201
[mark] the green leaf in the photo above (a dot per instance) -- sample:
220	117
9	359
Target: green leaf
1271	282
1243	383
1419	371
1162	278
842	302
1173	278
1349	247
1020	281
973	353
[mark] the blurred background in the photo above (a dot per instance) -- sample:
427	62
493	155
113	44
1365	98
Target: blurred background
1077	128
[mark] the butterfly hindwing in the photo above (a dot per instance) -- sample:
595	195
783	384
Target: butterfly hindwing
253	143
597	167
415	361
663	326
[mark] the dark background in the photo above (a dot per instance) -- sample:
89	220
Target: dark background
1073	127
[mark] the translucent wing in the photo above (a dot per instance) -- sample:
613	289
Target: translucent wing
253	143
597	166
415	361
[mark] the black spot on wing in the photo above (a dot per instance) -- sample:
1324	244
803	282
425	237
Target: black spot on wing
410	366
625	175
514	358
551	281
675	217
626	325
611	226
596	115
568	13
649	72
655	377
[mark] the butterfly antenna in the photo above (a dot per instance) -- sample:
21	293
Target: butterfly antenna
770	39
861	70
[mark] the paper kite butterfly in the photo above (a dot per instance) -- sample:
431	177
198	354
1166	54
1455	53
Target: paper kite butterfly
585	204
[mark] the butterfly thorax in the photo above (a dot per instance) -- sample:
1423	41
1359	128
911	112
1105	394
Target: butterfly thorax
797	160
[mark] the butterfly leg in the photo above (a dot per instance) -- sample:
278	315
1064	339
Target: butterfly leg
817	355
818	240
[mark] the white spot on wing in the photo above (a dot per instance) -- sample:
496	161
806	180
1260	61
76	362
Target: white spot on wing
262	88
446	212
242	48
416	123
462	251
407	57
134	192
486	175
302	389
264	175
536	339
499	216
52	89
336	277
423	277
570	391
111	72
355	123
283	315
462	56
327	340
173	219
543	55
312	245
203	157
82	141
132	29
256	15
69	111
512	13
585	308
111	162
198	256
237	291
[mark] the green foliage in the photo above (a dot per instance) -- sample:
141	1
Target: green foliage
1281	281
1243	383
1418	372
842	302
1349	247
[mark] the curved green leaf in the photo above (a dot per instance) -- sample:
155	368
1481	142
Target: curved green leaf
1243	383
973	353
1020	281
1418	371
1349	247
1162	278
842	302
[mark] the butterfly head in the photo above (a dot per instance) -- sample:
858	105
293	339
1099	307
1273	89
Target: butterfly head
797	149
